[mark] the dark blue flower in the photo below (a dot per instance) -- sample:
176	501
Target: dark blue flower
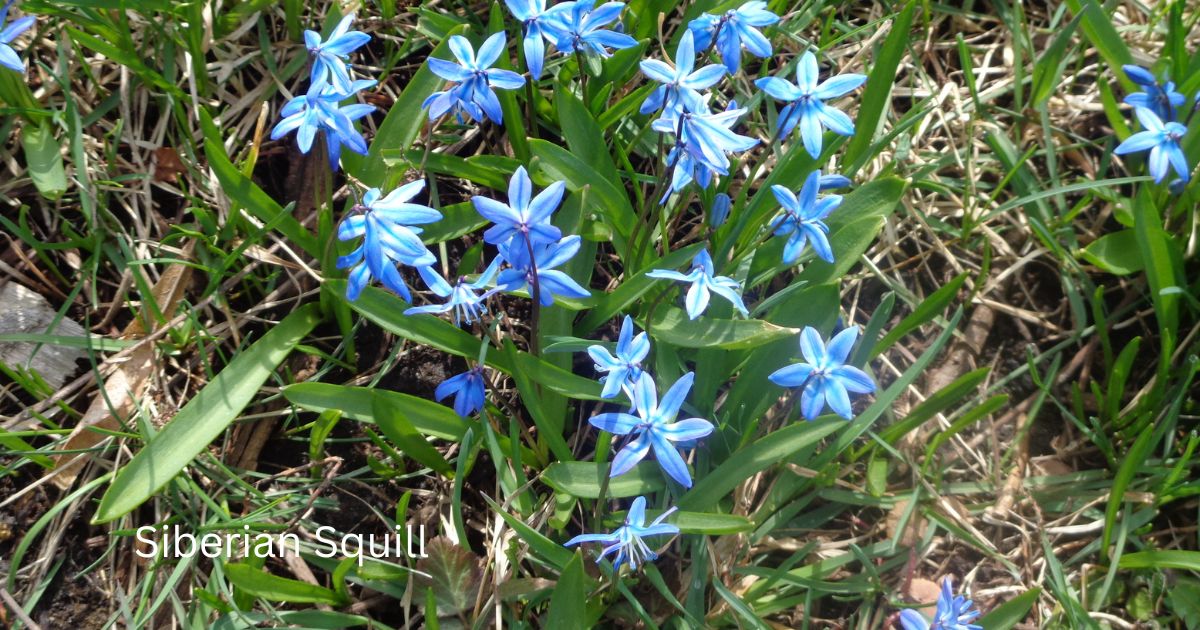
550	282
627	539
825	377
655	427
466	299
806	104
734	29
321	109
679	84
580	28
1162	100
703	282
8	56
622	370
953	613
524	222
467	389
329	56
390	238
803	218
1162	140
475	77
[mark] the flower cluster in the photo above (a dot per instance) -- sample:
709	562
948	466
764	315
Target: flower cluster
1157	107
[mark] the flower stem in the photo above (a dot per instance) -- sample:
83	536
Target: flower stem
536	312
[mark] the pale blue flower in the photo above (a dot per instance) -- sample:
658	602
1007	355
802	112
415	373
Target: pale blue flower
539	26
329	56
719	212
467	389
1161	99
475	78
805	103
953	613
735	29
524	222
580	28
655	427
679	83
466	299
706	139
825	377
622	370
550	282
703	282
321	110
8	56
389	238
1162	140
803	218
627	539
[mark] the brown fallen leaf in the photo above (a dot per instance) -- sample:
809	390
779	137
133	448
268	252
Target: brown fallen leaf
167	165
924	591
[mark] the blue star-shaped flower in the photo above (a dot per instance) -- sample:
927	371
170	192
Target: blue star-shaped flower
703	282
825	377
467	389
580	28
623	369
1162	139
803	219
524	222
953	613
466	299
390	238
655	427
679	84
321	109
1162	100
806	103
539	25
329	55
8	56
708	138
475	78
627	539
550	282
733	30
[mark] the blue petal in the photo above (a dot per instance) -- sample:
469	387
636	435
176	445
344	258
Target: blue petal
793	375
671	401
615	423
853	379
670	461
629	456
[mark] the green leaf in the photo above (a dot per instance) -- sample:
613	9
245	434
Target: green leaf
1115	252
1167	559
854	227
1099	30
1159	255
568	603
929	308
453	573
1012	612
1047	72
1184	598
204	417
585	479
632	288
279	589
563	164
878	92
673	326
393	421
43	158
711	524
428	417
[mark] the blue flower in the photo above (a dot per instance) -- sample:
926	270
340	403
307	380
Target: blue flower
320	109
803	218
706	138
825	377
624	369
467	389
702	280
475	78
467	299
655	427
1162	100
627	539
389	239
720	210
679	83
953	613
806	103
550	281
1163	142
735	29
329	56
524	222
538	24
8	56
580	28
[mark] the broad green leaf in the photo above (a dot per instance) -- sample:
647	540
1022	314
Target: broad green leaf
1099	29
1160	257
1185	601
394	422
632	288
929	308
585	479
710	524
204	417
568	603
1011	612
673	326
563	164
43	159
877	94
278	589
854	227
1115	252
431	418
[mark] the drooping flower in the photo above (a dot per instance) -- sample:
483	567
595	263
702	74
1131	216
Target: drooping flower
475	78
329	55
1162	100
321	110
622	370
703	282
467	389
390	238
627	539
655	427
580	28
720	210
542	274
703	142
8	57
734	29
1162	140
954	612
539	26
466	299
806	104
679	83
825	377
524	222
803	219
